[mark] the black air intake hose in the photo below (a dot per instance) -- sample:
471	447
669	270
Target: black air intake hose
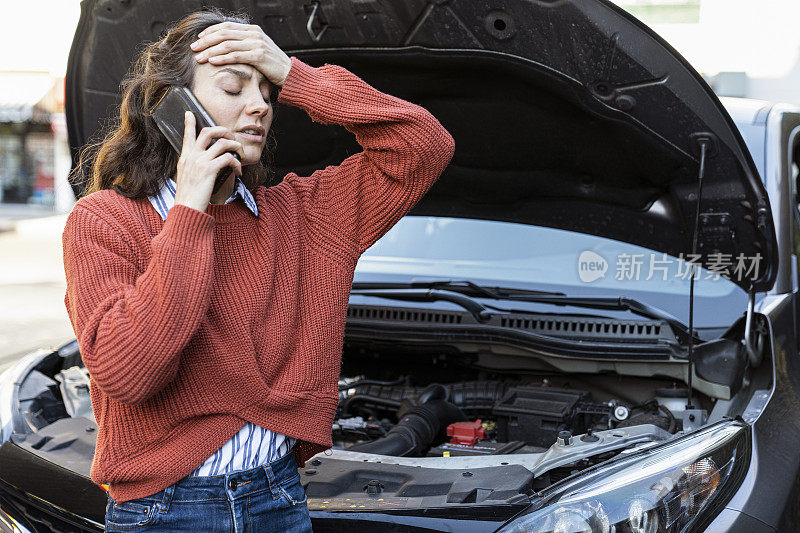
418	427
476	398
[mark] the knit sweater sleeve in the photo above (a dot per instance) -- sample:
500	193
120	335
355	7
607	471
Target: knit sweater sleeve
405	149
132	326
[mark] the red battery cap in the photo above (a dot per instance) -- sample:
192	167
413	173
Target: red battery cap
465	432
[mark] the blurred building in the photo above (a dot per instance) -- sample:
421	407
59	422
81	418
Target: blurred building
34	154
742	48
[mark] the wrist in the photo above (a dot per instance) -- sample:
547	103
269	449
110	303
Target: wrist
193	204
286	67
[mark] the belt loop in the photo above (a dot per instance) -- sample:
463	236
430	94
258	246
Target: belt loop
271	481
167	498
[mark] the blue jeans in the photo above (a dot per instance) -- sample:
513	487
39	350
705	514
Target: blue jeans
267	498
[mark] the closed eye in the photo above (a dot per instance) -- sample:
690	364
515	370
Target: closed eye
232	92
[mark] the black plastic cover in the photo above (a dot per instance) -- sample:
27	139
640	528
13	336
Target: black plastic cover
336	485
535	415
721	361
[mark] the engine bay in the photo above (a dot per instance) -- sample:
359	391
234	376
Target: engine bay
424	404
443	405
482	417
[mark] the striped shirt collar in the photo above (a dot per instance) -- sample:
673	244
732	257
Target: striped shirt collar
165	199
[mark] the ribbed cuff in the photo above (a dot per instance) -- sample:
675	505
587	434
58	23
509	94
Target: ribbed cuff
187	225
300	83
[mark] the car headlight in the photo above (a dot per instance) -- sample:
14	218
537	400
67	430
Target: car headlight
662	489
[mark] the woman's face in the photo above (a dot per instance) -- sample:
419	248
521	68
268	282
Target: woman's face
237	97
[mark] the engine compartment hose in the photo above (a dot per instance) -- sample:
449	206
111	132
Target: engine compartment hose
418	427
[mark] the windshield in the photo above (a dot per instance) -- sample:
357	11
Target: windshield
525	256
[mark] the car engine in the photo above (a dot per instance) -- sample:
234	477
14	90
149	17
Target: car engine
407	404
486	417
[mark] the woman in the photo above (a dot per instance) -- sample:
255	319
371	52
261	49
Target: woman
212	323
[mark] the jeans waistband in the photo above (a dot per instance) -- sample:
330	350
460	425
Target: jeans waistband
268	477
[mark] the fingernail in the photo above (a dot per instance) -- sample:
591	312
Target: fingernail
199	57
194	45
201	33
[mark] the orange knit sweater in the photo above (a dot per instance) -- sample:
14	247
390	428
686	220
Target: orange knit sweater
191	326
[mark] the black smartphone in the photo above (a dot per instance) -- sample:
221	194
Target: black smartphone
169	116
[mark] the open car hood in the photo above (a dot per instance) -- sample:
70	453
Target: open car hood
567	114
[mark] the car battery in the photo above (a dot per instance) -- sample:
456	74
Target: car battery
466	432
482	447
535	415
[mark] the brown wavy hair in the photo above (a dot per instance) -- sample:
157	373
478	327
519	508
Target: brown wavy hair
134	158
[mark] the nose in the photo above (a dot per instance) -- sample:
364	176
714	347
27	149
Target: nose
256	106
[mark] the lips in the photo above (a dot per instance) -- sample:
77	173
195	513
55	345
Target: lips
253	133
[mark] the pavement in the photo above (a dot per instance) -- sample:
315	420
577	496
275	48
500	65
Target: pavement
32	285
11	213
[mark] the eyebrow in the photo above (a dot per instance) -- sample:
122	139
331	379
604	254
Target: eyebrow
239	73
245	76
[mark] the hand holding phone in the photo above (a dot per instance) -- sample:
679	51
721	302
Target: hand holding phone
206	150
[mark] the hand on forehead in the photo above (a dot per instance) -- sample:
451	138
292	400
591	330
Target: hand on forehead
230	43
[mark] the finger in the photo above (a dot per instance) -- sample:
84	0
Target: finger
209	133
238	56
217	37
225	145
226	159
212	29
224	47
188	131
237	167
222	26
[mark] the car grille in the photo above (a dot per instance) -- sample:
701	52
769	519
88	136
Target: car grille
404	315
567	327
591	328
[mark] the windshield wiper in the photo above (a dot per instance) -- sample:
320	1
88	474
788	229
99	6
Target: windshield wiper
475	308
456	291
450	290
461	286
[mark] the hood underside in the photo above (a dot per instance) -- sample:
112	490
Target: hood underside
566	114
